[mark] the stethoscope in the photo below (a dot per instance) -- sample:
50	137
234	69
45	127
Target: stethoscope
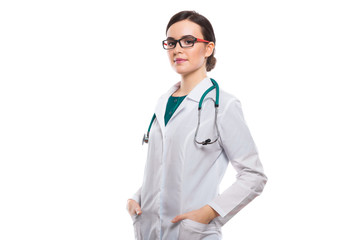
216	102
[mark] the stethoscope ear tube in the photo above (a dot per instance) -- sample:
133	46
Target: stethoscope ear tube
207	141
216	87
217	92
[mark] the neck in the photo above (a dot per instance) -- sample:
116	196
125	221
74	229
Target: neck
189	81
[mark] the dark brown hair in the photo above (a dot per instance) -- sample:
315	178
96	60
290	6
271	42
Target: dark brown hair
206	30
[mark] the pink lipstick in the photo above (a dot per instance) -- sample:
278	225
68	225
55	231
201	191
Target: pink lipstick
180	60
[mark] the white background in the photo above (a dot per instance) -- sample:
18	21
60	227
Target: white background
79	84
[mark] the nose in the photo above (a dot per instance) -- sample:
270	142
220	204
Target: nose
178	48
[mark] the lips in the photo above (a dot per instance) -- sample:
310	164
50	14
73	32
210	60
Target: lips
180	60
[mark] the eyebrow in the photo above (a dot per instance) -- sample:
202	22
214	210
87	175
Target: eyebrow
171	38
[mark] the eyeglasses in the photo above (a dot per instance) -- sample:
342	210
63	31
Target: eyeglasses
185	42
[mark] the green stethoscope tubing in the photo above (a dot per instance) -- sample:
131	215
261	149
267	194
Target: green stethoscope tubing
207	141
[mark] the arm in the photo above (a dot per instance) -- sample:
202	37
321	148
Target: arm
241	151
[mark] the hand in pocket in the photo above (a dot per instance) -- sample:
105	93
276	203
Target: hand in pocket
133	207
202	215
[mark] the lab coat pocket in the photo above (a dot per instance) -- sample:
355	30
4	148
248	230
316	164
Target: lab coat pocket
136	225
193	230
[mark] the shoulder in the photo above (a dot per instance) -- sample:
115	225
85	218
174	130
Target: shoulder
230	112
227	101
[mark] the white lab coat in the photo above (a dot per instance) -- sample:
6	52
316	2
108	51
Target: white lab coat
181	175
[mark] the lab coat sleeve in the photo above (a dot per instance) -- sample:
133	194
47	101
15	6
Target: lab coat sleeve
241	151
137	196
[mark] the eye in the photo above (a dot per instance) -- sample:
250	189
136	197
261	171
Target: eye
170	43
187	41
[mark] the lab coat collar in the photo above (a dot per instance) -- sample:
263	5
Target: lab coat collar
161	107
199	89
194	95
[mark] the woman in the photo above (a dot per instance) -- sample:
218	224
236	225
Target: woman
179	196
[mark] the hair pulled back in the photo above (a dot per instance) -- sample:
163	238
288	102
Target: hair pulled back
206	30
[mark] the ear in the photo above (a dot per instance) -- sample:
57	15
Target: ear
209	49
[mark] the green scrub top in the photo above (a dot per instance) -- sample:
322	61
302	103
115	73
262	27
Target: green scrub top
172	104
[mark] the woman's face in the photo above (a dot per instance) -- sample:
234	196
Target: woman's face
188	60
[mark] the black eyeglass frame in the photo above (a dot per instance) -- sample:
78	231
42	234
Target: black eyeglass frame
178	41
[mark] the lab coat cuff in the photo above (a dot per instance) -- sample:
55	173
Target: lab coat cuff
136	198
218	209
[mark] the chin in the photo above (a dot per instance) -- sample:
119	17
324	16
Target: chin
182	70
